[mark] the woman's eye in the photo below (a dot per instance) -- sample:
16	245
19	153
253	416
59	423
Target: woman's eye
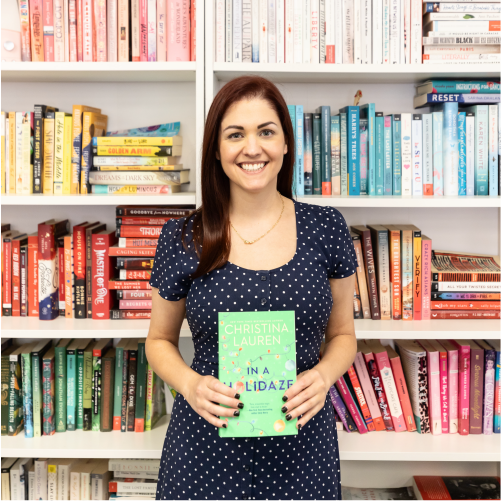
268	132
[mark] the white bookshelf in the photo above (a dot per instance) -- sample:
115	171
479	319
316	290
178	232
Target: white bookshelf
139	94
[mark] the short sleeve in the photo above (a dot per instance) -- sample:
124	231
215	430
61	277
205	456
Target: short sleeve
340	248
167	274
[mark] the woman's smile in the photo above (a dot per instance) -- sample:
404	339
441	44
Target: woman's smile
253	168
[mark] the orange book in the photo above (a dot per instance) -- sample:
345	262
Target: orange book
68	276
395	271
406	270
33	275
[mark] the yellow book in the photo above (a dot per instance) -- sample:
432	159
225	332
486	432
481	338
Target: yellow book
48	153
27	166
76	144
138	141
138	168
139	151
68	128
2	147
12	153
94	125
19	151
58	152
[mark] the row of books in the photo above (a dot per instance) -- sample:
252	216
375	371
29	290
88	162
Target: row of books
437	387
80	384
400	277
108	31
52	152
450	151
350	31
79	479
469	32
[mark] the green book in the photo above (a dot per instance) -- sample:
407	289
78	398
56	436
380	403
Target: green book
49	394
97	352
27	391
140	386
117	399
36	381
16	421
317	154
257	358
71	384
155	399
60	369
87	388
80	382
5	387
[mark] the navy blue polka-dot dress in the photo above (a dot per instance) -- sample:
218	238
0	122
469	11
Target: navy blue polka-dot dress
197	463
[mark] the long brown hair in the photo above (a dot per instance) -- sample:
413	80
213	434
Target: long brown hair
211	221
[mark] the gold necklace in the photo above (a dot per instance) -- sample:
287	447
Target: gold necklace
253	241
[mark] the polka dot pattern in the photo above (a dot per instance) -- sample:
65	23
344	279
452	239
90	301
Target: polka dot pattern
197	463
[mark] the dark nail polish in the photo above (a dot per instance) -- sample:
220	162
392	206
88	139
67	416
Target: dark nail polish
236	413
240	405
225	425
299	426
284	408
285	398
237	395
288	417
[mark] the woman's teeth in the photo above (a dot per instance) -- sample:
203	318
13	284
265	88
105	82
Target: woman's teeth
253	167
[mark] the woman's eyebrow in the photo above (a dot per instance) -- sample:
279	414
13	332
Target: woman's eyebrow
239	127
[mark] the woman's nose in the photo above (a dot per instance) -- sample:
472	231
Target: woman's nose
252	146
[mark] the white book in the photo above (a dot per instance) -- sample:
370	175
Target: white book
462	49
338	31
263	31
464	61
438	167
416	31
246	31
366	31
289	31
136	474
272	31
406	122
255	31
298	31
377	32
237	31
152	30
460	57
464	33
330	41
417	155
31	483
428	150
395	36
280	31
460	16
357	32
135	464
402	34
63	477
74	485
41	478
493	150
407	31
312	37
19	152
85	485
348	31
386	31
219	32
468	8
229	31
52	481
321	31
112	29
59	30
470	153
15	486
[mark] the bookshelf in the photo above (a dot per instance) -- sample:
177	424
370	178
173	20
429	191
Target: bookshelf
137	94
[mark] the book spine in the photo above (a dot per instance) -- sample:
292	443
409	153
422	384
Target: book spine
476	390
96	390
450	156
149	398
48	273
395	275
388	160
61	388
139	232
386	31
341	410
272	30
407	274
397	154
123	31
363	135
135	295
379	165
125	381
7	277
140	388
384	275
48	397
299	151
16	421
229	29
462	153
142	19
426	252
481	150
497	394
417	266
27	394
338	31
79	389
297	31
79	271
371	275
357	32
464	390
406	154
161	32
452	387
438	170
23	278
130	314
361	399
135	275
87	391
36	382
344	155
416	31
353	150
131	390
350	404
59	31
377	32
102	271
117	402
48	30
395	32
220	29
348	31
493	151
326	149
132	251
38	150
444	395
68	277
427	154
62	297
317	155
88	28
470	153
16	279
403	393
364	293
289	30
308	154
71	361
336	155
417	155
41	480
48	153
108	384
311	31
152	30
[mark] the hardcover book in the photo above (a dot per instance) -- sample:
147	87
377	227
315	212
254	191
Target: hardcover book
257	358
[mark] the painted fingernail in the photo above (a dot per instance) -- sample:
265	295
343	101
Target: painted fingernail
288	417
284	408
237	395
285	398
240	405
299	426
236	413
225	425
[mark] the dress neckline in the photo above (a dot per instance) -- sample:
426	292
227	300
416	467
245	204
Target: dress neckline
283	265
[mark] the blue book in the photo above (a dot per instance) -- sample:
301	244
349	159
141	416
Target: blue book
438	170
462	153
161	130
71	385
379	166
326	164
292	113
353	148
494	145
450	152
388	157
481	148
429	99
457	86
299	150
368	111
397	154
344	156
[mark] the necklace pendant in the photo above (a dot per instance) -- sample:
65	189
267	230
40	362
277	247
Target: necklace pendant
249	242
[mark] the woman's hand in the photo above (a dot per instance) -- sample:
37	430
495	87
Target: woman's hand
306	397
205	392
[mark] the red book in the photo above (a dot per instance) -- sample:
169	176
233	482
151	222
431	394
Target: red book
139	231
132	251
33	275
60	260
116	285
137	242
102	271
361	399
16	273
7	277
48	271
89	231
350	404
463	348
143	221
466	486
79	263
134	294
130	314
465	315
134	274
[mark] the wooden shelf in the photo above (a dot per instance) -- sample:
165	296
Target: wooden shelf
99	72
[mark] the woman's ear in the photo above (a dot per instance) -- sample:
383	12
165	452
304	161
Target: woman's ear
285	149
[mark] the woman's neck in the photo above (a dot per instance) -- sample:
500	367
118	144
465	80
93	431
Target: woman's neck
246	207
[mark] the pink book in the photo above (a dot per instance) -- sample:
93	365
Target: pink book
390	388
463	348
79	30
24	14
101	37
72	6
48	30
66	30
112	30
350	403
36	18
369	394
444	394
426	278
152	30
87	30
193	30
143	30
452	383
161	31
433	358
123	31
178	30
59	28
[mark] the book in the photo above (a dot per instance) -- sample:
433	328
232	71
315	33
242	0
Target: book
132	347
27	393
430	99
155	399
117	393
495	344
140	387
87	386
107	390
37	354
71	383
97	352
458	86
477	372
61	387
48	389
377	493
467	487
16	419
489	384
379	235
450	266
463	347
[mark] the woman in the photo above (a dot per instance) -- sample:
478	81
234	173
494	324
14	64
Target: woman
261	251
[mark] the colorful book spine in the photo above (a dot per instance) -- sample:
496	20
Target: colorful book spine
140	388
48	396
344	154
453	386
427	154
417	267
72	31
406	154
27	394
117	402
71	375
87	390
68	126
377	384
131	388
397	154
342	411
292	113
308	154
481	148
438	171
426	252
48	30
299	172
79	419
102	271
69	307
361	399
379	154
336	155
388	157
88	28
450	153
363	132
476	388
342	387
152	30
489	389
143	30
326	165
16	420
353	148
47	265
464	389
497	393
368	111
417	155
462	153
444	394
124	380
493	149
96	390
61	387
470	153
36	384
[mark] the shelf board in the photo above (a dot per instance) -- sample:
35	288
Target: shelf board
31	327
355	73
399	201
374	446
99	72
184	198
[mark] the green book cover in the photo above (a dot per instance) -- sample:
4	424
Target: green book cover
60	369
140	386
117	398
257	357
16	421
49	393
5	387
36	381
80	383
87	388
155	399
27	393
71	384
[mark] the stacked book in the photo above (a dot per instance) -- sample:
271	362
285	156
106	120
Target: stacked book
138	231
117	30
458	32
79	384
133	478
438	387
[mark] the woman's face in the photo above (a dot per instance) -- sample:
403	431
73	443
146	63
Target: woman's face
251	145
